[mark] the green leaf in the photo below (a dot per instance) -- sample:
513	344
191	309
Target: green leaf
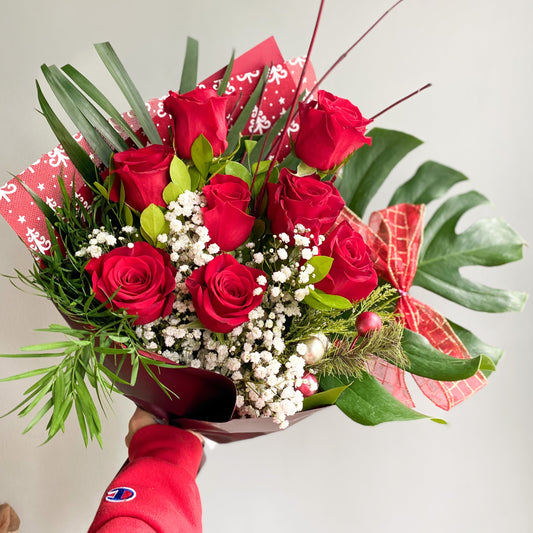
202	155
45	408
179	174
487	242
190	66
126	85
101	189
322	266
305	170
37	395
367	402
240	171
171	192
29	374
196	178
112	377
101	149
475	346
235	131
49	346
431	181
427	361
81	420
100	100
369	167
318	299
79	157
134	370
153	222
227	75
249	146
127	216
66	197
91	123
261	167
327	397
45	209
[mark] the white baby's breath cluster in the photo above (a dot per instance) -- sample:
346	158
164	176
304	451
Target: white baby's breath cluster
254	355
188	238
101	241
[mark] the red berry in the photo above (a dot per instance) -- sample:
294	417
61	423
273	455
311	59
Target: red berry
309	385
368	322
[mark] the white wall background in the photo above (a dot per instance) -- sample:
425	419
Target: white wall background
327	473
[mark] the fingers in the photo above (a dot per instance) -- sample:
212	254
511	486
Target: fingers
140	419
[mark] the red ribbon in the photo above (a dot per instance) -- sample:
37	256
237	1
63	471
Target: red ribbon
394	236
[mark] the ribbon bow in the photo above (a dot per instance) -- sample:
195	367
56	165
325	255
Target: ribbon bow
394	236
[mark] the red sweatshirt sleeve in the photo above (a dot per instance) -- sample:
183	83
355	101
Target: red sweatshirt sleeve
156	491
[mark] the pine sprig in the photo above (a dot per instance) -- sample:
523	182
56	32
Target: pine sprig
350	357
348	353
63	386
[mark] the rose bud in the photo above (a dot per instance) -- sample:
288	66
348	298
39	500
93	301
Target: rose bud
198	112
227	199
142	278
352	273
144	172
302	200
331	129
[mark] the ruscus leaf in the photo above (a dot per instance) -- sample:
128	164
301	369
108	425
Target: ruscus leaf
367	402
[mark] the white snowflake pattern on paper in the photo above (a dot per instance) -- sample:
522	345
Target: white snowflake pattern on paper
300	61
6	190
259	123
57	157
249	76
37	241
51	203
30	168
277	73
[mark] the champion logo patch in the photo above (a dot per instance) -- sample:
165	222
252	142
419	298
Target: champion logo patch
120	494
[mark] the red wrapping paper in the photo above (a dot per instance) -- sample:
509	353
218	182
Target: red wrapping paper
19	209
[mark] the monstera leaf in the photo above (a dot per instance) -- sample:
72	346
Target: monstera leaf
369	167
488	242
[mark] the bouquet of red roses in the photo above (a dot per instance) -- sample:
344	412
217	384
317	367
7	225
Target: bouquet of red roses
208	253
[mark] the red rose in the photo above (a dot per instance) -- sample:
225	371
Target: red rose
223	293
302	200
200	111
352	274
144	172
142	276
225	215
331	129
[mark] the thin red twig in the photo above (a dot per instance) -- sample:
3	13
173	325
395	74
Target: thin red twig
293	106
343	56
427	85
